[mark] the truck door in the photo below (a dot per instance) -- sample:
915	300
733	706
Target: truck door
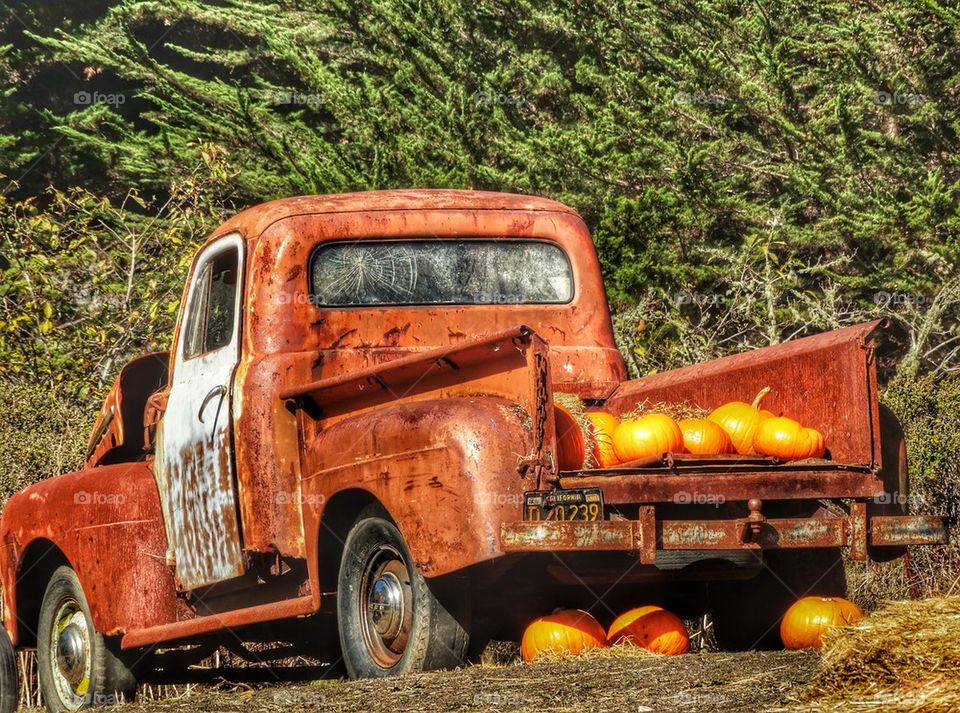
195	465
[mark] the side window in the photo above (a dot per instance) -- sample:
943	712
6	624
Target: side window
210	323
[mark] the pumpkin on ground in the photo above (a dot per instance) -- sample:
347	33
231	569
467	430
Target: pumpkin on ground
602	426
704	437
564	631
740	420
652	628
571	450
787	439
809	618
647	436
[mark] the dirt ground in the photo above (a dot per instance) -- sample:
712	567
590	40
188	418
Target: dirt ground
695	682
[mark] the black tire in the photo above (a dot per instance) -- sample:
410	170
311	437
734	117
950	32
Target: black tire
77	667
391	620
9	683
747	613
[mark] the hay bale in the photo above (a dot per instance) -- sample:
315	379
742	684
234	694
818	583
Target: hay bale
905	656
578	409
678	411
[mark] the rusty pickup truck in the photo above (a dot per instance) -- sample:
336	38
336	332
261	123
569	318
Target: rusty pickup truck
338	455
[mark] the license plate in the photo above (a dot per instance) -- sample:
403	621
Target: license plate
563	505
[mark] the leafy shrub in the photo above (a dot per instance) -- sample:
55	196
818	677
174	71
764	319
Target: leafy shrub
89	283
43	432
929	410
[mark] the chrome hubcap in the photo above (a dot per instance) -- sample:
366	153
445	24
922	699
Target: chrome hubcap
70	654
385	605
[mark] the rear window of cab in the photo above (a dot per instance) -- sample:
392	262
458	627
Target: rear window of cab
445	272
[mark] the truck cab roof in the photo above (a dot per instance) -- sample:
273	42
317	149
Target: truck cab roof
253	221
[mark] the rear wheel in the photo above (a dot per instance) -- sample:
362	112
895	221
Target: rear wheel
747	613
392	620
77	668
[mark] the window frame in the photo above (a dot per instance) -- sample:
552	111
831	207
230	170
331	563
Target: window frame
205	265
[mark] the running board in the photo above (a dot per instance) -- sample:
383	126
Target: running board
285	609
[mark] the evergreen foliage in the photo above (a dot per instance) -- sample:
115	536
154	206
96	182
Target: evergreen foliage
758	170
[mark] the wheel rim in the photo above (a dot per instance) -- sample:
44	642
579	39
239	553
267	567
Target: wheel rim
70	659
386	610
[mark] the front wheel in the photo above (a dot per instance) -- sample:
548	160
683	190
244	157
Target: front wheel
391	619
77	668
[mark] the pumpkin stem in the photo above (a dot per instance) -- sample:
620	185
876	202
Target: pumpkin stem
759	397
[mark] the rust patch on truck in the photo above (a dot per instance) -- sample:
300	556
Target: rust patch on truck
914	530
561	536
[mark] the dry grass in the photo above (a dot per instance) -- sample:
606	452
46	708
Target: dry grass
574	404
622	650
905	657
675	410
605	682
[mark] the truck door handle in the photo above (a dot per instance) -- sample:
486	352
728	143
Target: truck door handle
215	391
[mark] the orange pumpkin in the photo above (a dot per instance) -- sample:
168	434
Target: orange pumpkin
740	420
809	618
567	630
703	437
818	447
647	436
602	426
571	451
652	628
787	439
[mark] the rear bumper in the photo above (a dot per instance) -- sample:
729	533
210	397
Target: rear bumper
647	534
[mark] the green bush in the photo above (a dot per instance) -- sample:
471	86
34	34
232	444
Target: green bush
43	432
929	410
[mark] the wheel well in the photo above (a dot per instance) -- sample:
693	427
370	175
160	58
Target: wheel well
40	560
339	514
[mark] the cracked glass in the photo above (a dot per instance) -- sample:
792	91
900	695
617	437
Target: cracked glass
423	272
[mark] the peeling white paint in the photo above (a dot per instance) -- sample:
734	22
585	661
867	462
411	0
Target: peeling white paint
194	464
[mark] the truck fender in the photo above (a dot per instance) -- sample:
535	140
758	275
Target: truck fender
445	470
105	523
